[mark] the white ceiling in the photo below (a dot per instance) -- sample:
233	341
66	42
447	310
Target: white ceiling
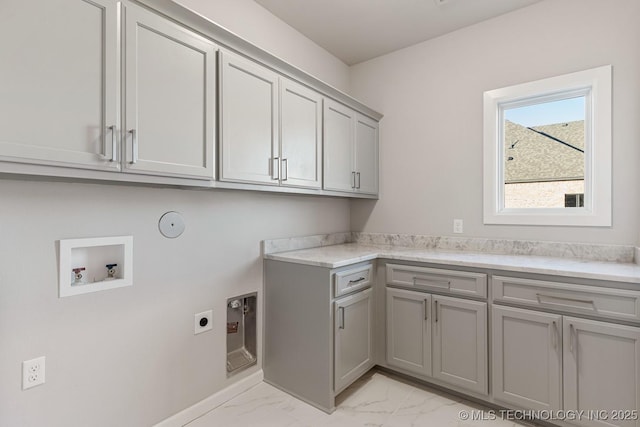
358	30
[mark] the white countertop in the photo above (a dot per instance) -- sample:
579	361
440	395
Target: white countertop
346	254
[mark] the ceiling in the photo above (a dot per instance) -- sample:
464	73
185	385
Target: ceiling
358	30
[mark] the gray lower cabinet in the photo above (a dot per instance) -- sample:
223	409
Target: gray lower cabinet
438	336
460	343
409	330
318	335
527	358
353	345
602	371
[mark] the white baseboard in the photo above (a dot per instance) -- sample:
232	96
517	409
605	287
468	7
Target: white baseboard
184	417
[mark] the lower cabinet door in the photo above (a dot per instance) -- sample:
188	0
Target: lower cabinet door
460	343
409	330
527	358
353	335
602	372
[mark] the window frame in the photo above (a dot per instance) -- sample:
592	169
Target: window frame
595	85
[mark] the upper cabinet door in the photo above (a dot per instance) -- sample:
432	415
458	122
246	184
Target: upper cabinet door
249	110
602	371
170	97
366	148
300	135
339	171
58	83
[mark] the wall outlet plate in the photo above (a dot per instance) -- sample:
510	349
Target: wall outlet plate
203	322
33	372
458	226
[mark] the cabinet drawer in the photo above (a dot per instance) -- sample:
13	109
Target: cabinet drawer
351	280
592	300
455	282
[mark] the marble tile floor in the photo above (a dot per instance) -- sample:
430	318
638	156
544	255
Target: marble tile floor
378	399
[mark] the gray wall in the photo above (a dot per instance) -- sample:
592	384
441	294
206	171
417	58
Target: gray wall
431	96
128	356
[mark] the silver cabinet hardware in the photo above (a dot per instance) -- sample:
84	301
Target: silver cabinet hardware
341	313
433	282
426	309
275	168
571	333
358	177
134	146
358	280
436	309
584	301
554	333
285	169
353	180
114	148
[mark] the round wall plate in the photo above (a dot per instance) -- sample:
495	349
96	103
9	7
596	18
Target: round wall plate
171	224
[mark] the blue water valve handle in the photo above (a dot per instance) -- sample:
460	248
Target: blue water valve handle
110	266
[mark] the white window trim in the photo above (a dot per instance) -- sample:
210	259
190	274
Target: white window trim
596	85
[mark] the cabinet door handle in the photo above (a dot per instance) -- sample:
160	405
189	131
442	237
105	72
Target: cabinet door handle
426	309
285	169
134	146
358	177
341	319
275	163
571	333
436	314
554	335
353	180
114	148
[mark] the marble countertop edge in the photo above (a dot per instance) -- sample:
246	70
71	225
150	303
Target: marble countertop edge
341	255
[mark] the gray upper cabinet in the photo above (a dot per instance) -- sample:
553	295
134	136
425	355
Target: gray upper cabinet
527	358
339	173
601	364
170	97
140	91
350	150
300	135
249	150
366	154
58	107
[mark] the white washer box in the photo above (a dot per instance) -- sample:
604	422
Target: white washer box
94	254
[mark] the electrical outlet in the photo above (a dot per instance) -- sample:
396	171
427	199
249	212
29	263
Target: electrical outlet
458	226
203	322
33	372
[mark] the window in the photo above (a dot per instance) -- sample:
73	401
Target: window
547	147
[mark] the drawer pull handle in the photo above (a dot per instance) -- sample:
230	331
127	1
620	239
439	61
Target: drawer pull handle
361	279
583	301
435	282
341	319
